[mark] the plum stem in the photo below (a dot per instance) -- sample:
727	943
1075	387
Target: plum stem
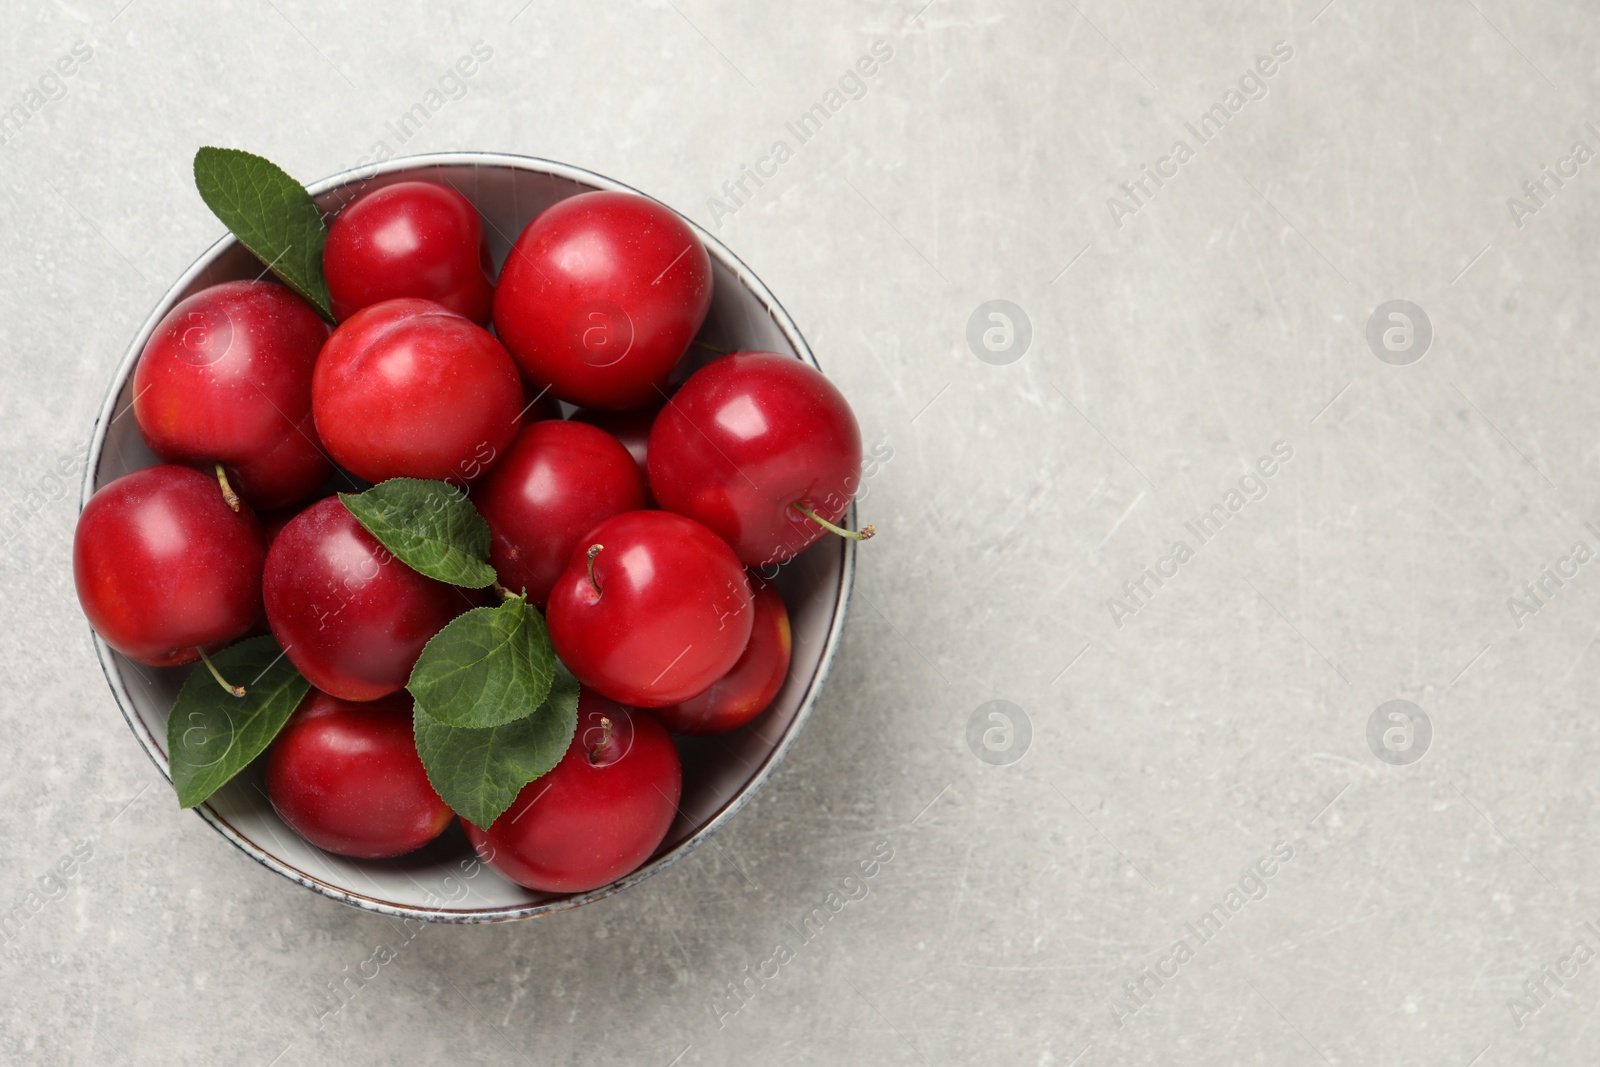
863	534
236	690
227	490
594	550
714	348
605	739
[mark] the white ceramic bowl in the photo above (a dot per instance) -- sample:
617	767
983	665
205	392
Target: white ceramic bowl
443	882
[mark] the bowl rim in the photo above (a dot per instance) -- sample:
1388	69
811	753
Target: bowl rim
470	916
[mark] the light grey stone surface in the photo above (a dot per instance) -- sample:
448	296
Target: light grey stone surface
1173	343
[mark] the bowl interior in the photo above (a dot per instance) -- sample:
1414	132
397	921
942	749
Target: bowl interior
443	882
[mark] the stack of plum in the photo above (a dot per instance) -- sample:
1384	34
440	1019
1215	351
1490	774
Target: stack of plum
413	587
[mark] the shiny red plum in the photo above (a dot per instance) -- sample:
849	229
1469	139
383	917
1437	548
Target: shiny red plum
226	378
349	616
748	442
164	566
409	239
347	778
556	482
600	297
651	609
409	388
599	814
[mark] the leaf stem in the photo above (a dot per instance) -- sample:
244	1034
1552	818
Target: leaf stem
594	550
863	534
236	690
227	490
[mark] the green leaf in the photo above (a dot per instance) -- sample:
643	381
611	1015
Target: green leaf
213	735
431	527
487	667
480	772
564	692
271	214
